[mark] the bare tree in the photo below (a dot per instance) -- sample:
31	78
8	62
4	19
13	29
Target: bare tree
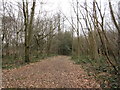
28	21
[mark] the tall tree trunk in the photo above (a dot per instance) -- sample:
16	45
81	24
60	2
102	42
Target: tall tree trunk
78	38
72	37
119	33
25	12
95	49
28	28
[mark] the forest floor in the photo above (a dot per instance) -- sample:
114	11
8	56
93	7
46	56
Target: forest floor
53	72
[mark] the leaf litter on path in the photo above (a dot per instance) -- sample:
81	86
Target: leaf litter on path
54	72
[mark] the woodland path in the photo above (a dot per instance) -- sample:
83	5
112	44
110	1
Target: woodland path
53	72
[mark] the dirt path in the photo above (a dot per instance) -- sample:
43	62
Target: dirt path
54	72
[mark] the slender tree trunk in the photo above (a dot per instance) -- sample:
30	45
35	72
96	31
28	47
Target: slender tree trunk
119	34
72	37
95	49
78	38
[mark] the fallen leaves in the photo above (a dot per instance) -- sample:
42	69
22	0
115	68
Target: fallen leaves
56	72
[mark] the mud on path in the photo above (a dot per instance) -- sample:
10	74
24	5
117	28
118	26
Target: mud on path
54	72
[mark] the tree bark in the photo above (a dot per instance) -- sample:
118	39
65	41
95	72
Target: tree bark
78	38
28	28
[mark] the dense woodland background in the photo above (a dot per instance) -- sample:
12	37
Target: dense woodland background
92	39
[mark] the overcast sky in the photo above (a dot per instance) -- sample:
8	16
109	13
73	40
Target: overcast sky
63	5
53	6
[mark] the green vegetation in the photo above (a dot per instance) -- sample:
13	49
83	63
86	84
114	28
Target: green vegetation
65	43
103	73
10	62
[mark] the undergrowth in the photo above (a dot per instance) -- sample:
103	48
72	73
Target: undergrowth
9	62
100	69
